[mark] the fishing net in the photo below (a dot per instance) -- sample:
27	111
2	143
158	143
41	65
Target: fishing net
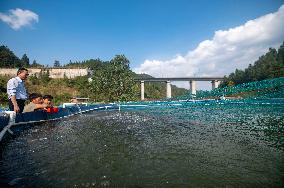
265	89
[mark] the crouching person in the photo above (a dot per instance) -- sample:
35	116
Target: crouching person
47	99
36	103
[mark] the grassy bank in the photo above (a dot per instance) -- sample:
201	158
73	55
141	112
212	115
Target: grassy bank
64	89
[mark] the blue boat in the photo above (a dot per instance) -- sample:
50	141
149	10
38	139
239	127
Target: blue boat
12	122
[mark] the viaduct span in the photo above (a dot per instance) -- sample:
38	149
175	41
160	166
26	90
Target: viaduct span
192	81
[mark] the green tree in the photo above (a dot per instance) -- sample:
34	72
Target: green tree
114	81
25	61
92	64
3	83
231	83
34	79
8	59
36	65
44	76
268	66
238	76
280	54
56	63
81	84
122	79
3	89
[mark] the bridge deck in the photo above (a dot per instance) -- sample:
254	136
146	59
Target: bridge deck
180	79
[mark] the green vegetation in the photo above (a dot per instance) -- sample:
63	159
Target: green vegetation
111	80
268	66
56	63
93	64
270	88
9	60
3	95
114	81
264	79
157	90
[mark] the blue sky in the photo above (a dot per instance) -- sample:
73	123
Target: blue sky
147	32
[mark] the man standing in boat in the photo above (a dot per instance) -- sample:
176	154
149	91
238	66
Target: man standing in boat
17	92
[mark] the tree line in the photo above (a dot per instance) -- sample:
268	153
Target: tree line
9	60
111	80
114	81
270	65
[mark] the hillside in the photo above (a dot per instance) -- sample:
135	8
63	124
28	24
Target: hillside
111	80
268	66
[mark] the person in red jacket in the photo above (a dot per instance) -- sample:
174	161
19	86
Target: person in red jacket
47	99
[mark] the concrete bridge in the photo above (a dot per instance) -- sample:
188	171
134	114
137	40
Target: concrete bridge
192	81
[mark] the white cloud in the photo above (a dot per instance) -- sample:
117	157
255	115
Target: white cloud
227	50
19	18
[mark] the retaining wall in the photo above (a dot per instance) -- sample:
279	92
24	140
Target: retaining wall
53	72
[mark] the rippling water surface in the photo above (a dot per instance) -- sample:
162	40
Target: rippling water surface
170	145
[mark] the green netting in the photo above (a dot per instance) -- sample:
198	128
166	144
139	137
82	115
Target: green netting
272	88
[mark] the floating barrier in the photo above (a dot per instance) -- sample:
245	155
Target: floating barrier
10	121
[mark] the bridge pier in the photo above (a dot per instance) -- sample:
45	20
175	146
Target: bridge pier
142	91
192	85
169	90
192	81
215	84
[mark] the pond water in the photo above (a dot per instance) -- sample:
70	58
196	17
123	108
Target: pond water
162	144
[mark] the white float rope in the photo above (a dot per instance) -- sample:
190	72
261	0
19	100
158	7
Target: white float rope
80	111
11	122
